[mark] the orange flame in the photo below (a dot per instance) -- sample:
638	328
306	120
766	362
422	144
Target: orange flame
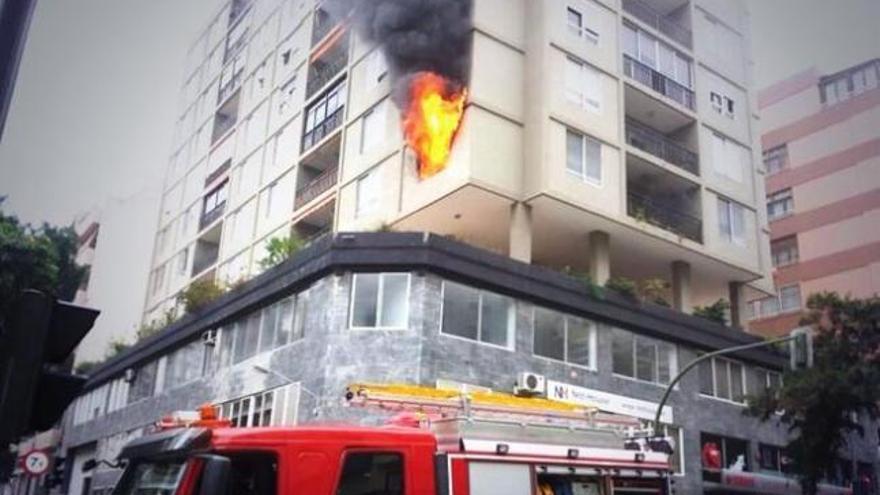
432	120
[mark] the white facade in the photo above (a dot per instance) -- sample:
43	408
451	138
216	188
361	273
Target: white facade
633	119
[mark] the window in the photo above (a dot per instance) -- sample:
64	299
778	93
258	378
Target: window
253	473
780	204
776	159
642	358
184	365
376	69
577	27
154	477
644	48
840	87
367	473
583	85
770	457
380	300
144	382
731	222
253	410
324	115
247	335
722	104
373	128
477	315
723	379
724	453
583	157
790	298
769	380
728	158
271	327
367	192
564	338
784	251
215	199
182	262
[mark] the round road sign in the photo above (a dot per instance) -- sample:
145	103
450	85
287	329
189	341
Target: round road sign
36	462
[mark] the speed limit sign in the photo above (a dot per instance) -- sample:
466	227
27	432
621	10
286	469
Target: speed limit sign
36	462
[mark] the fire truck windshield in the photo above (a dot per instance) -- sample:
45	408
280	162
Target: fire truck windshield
151	478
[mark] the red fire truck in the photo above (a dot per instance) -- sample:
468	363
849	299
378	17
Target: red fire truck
439	442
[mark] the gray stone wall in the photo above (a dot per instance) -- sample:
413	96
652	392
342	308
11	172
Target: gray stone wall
330	356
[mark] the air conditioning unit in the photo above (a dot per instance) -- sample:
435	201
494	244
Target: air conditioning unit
209	338
530	385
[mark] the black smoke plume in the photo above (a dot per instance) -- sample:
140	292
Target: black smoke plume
417	36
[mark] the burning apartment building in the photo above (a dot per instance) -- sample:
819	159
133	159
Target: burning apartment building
449	165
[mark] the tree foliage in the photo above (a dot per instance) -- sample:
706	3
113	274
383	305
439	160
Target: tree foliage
41	258
819	404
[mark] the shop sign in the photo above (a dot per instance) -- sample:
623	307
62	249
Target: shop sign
613	403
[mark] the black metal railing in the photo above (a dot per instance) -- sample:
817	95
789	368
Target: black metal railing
315	187
658	82
667	217
323	129
658	21
209	217
324	69
652	141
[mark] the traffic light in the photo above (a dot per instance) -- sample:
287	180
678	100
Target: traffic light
801	348
39	336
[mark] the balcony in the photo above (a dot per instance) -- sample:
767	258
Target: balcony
327	64
656	143
225	118
664	23
658	82
664	215
207	250
315	187
660	198
323	23
209	217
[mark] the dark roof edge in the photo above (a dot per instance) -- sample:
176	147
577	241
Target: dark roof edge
451	259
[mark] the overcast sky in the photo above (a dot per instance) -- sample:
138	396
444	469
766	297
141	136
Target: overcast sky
97	93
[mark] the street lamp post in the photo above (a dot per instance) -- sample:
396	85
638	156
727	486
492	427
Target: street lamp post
796	335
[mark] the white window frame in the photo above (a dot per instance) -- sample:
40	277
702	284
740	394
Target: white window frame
776	155
784	197
579	29
787	245
511	330
673	360
379	294
586	90
378	111
744	376
565	319
367	197
730	235
583	175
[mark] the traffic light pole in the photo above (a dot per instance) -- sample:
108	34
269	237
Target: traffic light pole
710	355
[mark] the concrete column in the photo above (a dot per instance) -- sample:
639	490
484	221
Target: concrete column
600	257
681	286
737	304
520	237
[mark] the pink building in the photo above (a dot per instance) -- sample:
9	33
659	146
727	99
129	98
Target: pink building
821	142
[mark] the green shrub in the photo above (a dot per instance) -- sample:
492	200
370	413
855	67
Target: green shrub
622	285
654	290
716	311
199	294
280	249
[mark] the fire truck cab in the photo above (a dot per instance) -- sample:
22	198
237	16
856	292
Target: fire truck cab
456	455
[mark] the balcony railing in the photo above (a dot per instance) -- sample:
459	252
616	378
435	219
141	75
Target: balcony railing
665	216
320	131
658	82
658	21
315	188
326	68
655	143
209	217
